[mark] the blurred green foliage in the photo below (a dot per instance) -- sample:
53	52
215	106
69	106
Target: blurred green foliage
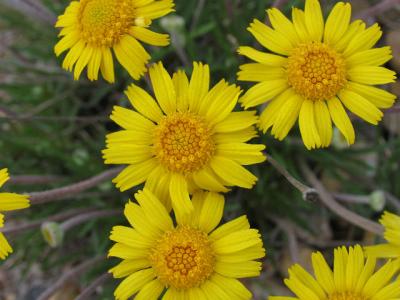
50	124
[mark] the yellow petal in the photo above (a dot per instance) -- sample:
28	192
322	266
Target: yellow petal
134	174
323	122
269	38
314	19
337	23
361	107
242	153
5	248
149	37
341	119
132	56
181	84
282	24
211	212
258	72
163	88
150	291
198	86
178	189
363	40
263	92
264	58
370	57
308	127
371	75
107	65
287	116
4	177
232	172
10	201
133	283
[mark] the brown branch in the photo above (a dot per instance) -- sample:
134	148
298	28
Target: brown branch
289	229
34	179
327	199
72	274
377	9
35	224
84	217
99	281
308	193
33	10
280	3
73	189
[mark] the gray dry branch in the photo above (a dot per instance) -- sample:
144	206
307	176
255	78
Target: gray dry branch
73	189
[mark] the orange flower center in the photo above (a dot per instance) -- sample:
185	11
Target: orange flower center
104	22
316	71
183	258
183	142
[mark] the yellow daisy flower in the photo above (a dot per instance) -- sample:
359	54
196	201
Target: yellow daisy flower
187	139
391	223
91	28
191	260
353	278
8	201
317	68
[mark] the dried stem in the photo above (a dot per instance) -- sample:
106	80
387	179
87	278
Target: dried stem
72	274
289	229
34	179
354	199
84	217
327	199
35	224
308	193
73	189
393	200
99	281
279	3
33	10
377	9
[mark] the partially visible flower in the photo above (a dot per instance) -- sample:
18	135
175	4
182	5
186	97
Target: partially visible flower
92	28
186	139
353	278
8	202
317	67
193	259
391	249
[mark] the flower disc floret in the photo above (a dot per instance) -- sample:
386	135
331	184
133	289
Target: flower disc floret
316	71
104	22
183	142
183	258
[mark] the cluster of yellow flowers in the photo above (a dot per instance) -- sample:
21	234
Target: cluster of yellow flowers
188	146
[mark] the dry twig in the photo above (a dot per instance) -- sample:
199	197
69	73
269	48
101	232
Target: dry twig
73	189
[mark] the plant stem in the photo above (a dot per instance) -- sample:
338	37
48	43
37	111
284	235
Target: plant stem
85	294
72	274
84	217
35	224
73	189
308	193
377	9
328	200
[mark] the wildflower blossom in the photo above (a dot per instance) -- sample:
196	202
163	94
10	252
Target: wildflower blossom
316	70
186	139
353	278
92	28
391	249
193	259
8	202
